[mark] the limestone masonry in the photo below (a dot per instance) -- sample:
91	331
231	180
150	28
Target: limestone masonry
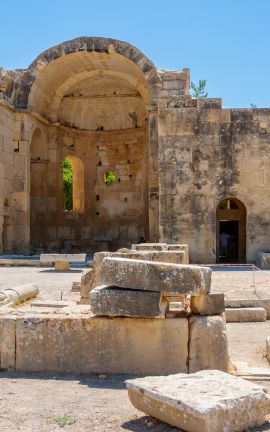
183	170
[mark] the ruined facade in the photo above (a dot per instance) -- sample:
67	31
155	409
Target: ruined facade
185	170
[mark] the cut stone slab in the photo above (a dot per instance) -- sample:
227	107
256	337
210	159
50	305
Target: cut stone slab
210	304
149	246
50	258
62	261
177	257
156	276
82	343
113	301
250	303
207	401
208	345
178	247
255	314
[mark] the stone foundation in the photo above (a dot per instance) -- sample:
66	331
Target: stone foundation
73	340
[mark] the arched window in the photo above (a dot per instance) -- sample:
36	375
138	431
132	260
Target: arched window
73	180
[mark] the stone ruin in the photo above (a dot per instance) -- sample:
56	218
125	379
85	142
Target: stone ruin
131	327
151	314
162	252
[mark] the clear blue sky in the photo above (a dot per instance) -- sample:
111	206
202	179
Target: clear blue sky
227	42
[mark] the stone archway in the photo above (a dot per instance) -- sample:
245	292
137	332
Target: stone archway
231	231
95	94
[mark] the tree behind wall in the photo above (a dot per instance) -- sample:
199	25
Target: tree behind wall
199	90
68	180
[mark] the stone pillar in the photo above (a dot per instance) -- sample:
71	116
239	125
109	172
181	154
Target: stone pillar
153	175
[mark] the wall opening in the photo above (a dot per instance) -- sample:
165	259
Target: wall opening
231	231
73	179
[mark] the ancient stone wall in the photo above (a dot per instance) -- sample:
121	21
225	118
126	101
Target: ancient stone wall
207	154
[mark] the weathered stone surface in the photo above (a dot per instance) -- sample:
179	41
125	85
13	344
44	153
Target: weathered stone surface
50	258
113	301
149	246
177	257
92	278
7	343
210	304
178	247
87	344
208	346
263	260
252	314
19	294
268	348
249	303
155	276
206	401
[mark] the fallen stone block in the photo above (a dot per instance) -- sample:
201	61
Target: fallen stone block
176	257
210	304
156	276
19	294
113	301
268	348
206	401
252	314
149	246
250	303
208	345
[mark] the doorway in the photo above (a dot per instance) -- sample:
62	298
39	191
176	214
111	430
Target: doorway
231	231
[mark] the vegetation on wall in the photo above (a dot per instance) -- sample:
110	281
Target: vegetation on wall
109	177
68	181
199	90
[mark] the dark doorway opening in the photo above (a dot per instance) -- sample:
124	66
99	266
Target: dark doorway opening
229	241
231	231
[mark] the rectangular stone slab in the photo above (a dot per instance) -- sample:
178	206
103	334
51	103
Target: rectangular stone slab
176	257
156	276
149	246
206	401
113	301
49	258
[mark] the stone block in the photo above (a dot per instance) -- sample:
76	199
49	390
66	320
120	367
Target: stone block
263	260
156	276
82	343
50	258
7	343
249	303
246	314
206	401
178	247
149	246
210	304
208	346
268	348
113	301
177	257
